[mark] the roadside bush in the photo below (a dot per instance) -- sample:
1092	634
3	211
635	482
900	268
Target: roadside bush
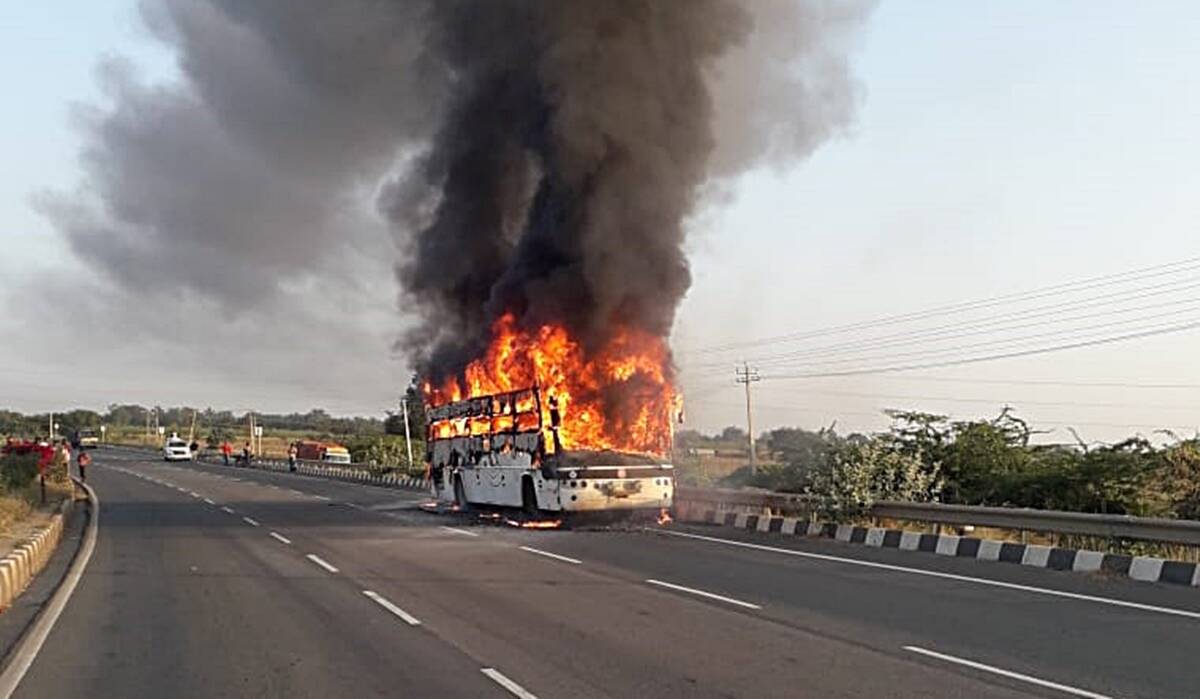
387	452
17	471
861	474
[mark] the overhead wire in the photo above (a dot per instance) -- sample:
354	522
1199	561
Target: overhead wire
1160	270
979	327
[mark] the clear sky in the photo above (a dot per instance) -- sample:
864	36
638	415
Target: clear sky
999	147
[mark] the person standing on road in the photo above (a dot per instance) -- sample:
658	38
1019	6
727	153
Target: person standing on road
226	451
292	453
246	454
85	460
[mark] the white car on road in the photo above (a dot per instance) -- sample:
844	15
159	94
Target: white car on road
176	450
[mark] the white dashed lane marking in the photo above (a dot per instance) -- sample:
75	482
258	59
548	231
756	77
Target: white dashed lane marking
547	554
321	562
513	688
702	593
386	604
280	538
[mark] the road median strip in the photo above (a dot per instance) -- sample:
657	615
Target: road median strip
35	636
1140	568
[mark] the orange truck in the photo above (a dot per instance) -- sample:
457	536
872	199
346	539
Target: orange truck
322	451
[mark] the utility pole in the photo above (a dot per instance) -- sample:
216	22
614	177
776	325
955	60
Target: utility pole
746	376
50	429
407	433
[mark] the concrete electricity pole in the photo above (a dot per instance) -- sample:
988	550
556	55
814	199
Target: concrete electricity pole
747	376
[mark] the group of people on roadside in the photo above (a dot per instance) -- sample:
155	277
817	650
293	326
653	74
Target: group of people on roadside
242	459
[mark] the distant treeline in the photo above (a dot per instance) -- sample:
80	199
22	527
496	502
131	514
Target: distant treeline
124	417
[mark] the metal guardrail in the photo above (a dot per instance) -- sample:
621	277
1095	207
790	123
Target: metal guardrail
1174	531
782	502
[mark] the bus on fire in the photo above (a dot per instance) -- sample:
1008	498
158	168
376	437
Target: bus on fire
506	450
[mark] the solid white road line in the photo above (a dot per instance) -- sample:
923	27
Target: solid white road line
27	649
937	574
1066	689
210	502
227	510
453	530
386	604
702	593
499	678
321	562
547	554
280	537
249	521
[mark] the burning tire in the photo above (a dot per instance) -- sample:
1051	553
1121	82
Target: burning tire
460	495
529	503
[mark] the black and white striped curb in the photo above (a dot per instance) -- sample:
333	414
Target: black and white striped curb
1144	568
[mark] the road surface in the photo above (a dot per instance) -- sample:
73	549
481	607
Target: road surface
209	581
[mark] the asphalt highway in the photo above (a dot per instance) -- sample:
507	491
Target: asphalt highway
210	581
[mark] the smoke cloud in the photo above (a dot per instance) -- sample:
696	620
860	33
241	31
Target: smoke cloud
511	155
574	144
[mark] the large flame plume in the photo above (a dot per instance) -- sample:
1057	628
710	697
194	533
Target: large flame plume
618	397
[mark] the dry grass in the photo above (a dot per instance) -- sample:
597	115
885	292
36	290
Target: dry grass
21	512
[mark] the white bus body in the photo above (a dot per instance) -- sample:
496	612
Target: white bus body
510	467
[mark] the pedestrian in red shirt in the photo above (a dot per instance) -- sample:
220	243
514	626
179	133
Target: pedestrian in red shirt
85	460
226	450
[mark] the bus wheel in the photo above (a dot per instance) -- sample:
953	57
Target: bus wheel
460	495
529	498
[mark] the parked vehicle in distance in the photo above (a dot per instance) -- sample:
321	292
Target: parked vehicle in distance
86	439
328	452
176	449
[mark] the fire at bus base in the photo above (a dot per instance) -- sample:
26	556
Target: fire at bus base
537	425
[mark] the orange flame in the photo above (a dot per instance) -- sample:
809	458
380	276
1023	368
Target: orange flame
535	523
618	398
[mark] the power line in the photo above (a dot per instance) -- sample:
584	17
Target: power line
1049	382
1005	355
950	332
996	401
1078	333
1043	292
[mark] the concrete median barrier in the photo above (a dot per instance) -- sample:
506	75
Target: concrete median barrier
20	566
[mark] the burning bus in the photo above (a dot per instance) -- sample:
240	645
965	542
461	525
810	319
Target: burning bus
538	424
507	449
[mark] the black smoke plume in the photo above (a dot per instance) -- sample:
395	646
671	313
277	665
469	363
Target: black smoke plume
539	157
574	144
